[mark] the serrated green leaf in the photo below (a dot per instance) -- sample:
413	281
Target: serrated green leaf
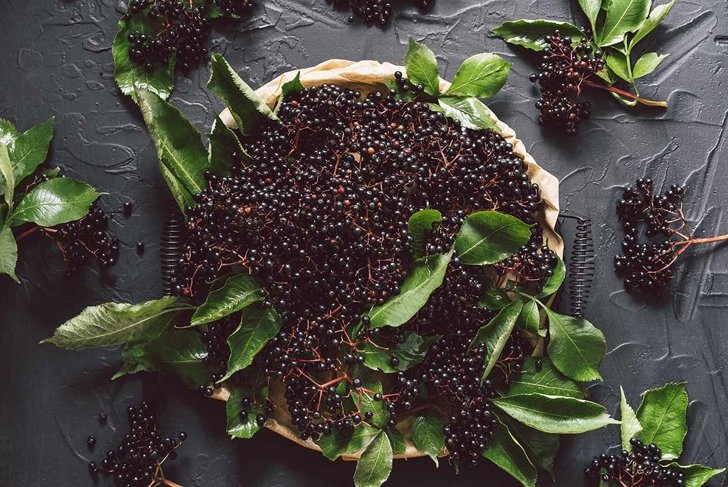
409	353
375	464
647	64
182	156
293	86
540	447
630	426
481	76
508	454
555	281
428	435
223	142
238	292
618	63
591	9
238	427
131	76
111	324
623	16
696	475
396	439
487	237
576	347
419	226
495	334
420	282
8	132
257	327
607	75
530	320
493	298
469	111
180	353
555	414
545	380
7	182
656	17
347	443
247	109
30	149
54	202
364	400
531	34
662	416
133	360
8	253
421	66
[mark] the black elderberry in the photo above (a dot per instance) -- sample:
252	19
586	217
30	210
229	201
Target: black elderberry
91	441
102	418
127	208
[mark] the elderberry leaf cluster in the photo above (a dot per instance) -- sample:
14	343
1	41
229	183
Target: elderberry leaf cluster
652	439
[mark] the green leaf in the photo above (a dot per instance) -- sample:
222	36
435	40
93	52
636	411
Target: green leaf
623	16
246	108
487	237
131	76
182	156
481	76
257	327
293	86
607	75
238	427
696	475
618	63
546	380
419	226
555	414
54	202
420	282
530	320
111	324
180	353
555	281
493	298
591	9
409	353
647	64
133	360
630	426
347	443
8	132
576	347
421	66
656	17
30	149
662	416
238	292
531	34
8	178
540	447
428	435
469	111
507	453
8	253
375	464
495	334
223	142
365	401
396	439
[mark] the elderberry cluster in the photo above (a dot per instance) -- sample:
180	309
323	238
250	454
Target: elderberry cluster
88	237
137	462
563	69
317	210
647	266
375	12
531	266
641	467
181	30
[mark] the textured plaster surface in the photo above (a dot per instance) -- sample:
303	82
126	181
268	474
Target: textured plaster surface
56	60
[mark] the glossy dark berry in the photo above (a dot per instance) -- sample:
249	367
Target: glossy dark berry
102	418
127	208
91	441
140	248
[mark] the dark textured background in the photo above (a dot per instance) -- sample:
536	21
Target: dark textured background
55	59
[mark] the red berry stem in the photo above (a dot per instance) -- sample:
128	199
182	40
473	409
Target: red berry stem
626	94
27	233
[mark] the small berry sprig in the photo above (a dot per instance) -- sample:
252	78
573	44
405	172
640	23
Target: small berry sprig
648	267
374	12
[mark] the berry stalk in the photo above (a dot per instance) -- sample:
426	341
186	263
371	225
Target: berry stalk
626	94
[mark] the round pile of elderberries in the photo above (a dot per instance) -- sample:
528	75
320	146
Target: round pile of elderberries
564	66
137	461
320	219
375	12
647	266
640	467
87	237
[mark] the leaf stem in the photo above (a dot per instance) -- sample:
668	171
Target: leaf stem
626	94
27	233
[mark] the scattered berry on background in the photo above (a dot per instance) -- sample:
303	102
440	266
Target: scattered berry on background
127	208
320	218
137	461
375	12
640	467
563	70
